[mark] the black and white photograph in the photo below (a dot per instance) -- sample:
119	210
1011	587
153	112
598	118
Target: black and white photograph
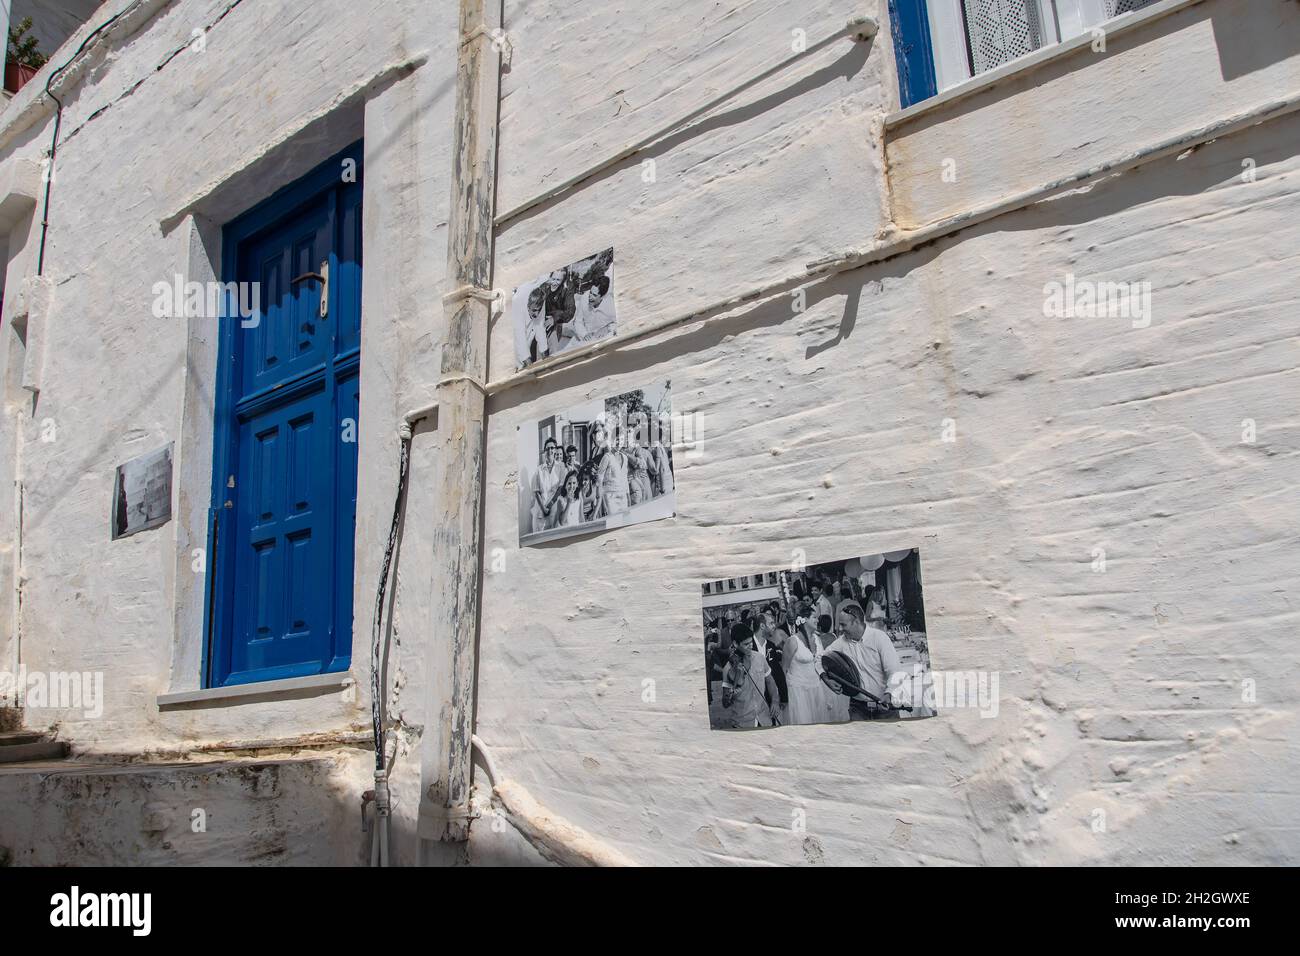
826	643
142	493
567	308
602	464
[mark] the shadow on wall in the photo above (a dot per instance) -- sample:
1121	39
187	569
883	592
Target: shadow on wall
1271	39
844	68
264	812
1205	168
290	811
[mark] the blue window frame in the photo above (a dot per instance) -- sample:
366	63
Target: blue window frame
913	50
938	44
284	480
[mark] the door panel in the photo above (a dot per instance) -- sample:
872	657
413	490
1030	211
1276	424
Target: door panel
348	270
349	412
284	530
290	337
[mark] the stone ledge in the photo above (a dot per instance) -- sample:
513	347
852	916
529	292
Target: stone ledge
310	686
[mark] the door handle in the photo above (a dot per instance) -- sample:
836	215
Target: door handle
323	277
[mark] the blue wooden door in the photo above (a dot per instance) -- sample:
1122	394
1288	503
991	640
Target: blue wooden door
285	481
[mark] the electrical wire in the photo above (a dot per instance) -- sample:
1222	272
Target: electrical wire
376	637
58	122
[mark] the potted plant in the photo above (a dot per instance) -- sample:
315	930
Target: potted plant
22	59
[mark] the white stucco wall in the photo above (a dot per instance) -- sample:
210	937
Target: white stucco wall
164	145
1121	691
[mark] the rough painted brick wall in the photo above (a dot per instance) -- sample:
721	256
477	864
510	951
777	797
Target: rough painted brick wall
1125	732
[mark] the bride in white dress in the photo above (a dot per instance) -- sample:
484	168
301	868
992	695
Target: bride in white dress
811	701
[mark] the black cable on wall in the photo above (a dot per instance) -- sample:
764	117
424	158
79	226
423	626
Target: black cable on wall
58	122
376	640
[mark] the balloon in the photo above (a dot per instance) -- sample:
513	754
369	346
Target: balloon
872	561
897	556
853	567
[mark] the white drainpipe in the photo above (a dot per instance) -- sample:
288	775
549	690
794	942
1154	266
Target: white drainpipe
16	612
445	753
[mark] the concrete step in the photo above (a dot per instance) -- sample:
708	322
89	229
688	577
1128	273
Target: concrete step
127	813
11	737
38	749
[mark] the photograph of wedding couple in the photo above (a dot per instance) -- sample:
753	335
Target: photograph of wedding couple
564	309
602	464
826	643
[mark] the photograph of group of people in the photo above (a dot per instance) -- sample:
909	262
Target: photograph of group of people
601	464
564	309
827	643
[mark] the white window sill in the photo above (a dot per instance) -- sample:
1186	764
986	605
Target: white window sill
313	685
1032	61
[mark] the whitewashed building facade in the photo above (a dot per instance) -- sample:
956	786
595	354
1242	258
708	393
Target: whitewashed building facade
1013	283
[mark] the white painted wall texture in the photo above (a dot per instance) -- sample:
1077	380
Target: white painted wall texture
163	131
1121	691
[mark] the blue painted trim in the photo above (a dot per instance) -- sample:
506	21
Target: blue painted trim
205	666
305	382
220	579
909	23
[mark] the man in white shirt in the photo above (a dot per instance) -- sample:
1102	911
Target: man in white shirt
550	474
591	320
535	346
869	647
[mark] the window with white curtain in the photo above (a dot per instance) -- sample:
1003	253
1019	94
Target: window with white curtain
970	37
